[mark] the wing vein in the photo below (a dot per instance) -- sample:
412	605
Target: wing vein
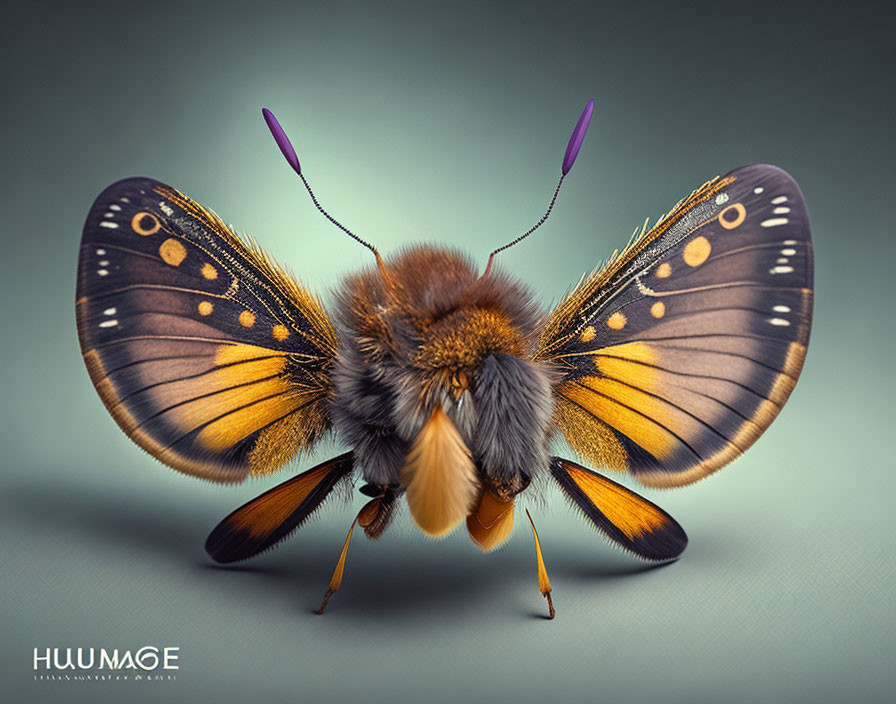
695	376
633	410
196	376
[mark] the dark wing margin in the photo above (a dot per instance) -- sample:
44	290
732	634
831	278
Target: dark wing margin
629	520
208	355
679	353
267	519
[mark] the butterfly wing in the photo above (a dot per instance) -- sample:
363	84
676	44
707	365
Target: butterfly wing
270	518
680	352
631	521
207	354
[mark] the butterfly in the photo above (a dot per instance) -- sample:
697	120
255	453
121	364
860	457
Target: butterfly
448	385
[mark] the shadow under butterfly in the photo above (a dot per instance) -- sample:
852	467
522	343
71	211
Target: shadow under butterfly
449	385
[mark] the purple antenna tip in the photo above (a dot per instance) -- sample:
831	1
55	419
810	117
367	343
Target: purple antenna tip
283	141
575	140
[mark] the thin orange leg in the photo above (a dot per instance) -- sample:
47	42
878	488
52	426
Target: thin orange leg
365	517
544	584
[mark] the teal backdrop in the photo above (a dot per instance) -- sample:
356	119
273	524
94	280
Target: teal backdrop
446	122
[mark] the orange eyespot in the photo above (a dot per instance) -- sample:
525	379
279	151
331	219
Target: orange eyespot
145	224
732	216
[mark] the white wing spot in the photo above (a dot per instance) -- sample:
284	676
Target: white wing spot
779	321
774	222
779	200
781	260
110	311
645	290
781	270
721	198
102	272
115	206
110	225
789	242
166	209
124	200
101	252
783	210
108	323
788	252
104	262
108	215
758	190
781	309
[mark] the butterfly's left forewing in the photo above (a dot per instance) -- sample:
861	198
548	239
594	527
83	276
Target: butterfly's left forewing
680	352
206	353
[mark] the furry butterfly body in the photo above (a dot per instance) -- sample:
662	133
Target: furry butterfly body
449	385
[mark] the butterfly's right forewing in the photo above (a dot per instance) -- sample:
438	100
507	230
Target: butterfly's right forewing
206	353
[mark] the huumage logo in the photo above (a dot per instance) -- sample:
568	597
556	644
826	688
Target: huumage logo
147	659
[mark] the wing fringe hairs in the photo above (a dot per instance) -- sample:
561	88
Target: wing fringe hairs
589	284
311	304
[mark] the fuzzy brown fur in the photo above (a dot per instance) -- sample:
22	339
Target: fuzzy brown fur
430	332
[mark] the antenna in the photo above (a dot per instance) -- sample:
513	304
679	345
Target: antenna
289	154
569	158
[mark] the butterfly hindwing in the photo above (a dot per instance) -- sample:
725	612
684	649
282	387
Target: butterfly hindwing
268	519
680	352
631	521
207	354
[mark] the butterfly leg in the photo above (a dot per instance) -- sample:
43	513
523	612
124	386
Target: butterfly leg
365	518
544	584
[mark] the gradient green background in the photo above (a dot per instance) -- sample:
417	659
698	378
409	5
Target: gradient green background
447	123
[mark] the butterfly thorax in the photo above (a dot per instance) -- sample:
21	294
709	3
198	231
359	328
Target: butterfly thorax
435	387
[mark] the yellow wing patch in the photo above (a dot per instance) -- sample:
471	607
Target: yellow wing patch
632	521
268	519
623	508
261	516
